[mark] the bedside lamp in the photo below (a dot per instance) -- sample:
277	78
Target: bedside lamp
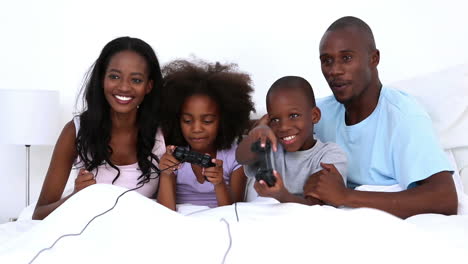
29	117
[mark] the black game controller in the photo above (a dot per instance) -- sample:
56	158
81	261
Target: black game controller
265	168
185	155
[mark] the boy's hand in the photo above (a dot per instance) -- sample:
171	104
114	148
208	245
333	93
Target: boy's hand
326	185
214	174
83	180
264	132
265	120
277	191
168	162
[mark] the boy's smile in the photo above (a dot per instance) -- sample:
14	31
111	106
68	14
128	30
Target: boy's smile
292	119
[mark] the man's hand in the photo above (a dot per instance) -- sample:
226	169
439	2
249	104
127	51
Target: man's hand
326	185
277	191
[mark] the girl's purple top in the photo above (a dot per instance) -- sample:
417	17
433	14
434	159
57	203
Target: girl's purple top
190	191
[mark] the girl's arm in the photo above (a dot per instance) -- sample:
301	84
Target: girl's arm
167	190
234	192
237	183
215	176
57	175
167	179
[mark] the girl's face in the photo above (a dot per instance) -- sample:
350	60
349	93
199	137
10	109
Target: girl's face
199	122
126	82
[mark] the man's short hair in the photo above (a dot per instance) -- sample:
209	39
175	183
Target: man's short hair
354	22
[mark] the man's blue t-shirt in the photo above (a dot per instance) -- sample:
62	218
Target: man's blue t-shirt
396	144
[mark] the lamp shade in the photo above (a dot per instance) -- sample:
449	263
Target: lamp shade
29	117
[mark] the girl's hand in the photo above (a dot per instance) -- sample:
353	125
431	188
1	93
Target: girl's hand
214	174
83	180
168	162
263	132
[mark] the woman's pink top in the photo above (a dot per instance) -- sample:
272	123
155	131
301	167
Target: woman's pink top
129	174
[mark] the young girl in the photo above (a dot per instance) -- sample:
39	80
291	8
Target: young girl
115	139
212	105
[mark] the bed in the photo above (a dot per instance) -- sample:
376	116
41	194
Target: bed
139	230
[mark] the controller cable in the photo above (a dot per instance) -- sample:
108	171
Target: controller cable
139	185
115	204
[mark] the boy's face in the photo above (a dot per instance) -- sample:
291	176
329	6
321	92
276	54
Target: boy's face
292	119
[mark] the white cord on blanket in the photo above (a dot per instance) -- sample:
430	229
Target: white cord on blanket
230	239
116	201
89	222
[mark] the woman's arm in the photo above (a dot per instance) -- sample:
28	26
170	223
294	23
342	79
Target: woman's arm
57	175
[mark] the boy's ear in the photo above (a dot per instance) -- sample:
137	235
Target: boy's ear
316	115
149	87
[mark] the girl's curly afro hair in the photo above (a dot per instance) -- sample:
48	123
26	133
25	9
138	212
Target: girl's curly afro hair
227	86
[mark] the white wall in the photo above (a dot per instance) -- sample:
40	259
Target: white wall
50	45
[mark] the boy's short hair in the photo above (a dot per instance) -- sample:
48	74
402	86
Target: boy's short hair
293	82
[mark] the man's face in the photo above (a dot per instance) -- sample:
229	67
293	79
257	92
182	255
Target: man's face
347	63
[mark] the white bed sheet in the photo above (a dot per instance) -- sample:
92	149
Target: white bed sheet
139	230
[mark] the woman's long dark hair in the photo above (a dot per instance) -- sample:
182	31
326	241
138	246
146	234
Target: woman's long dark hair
94	135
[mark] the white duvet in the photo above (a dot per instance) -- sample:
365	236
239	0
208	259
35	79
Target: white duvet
139	230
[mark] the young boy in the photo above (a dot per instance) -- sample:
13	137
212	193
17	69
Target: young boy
297	155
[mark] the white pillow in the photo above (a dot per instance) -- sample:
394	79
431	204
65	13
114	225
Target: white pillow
444	95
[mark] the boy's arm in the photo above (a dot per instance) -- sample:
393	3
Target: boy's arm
280	193
435	194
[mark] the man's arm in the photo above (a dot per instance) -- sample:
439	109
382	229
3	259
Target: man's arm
436	194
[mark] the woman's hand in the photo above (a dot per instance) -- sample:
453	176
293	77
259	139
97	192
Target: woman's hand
83	180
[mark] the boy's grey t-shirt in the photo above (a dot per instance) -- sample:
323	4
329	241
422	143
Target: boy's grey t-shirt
296	167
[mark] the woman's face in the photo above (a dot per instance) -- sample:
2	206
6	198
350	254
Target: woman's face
199	122
126	82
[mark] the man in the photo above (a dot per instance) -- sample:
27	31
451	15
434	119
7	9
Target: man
387	136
